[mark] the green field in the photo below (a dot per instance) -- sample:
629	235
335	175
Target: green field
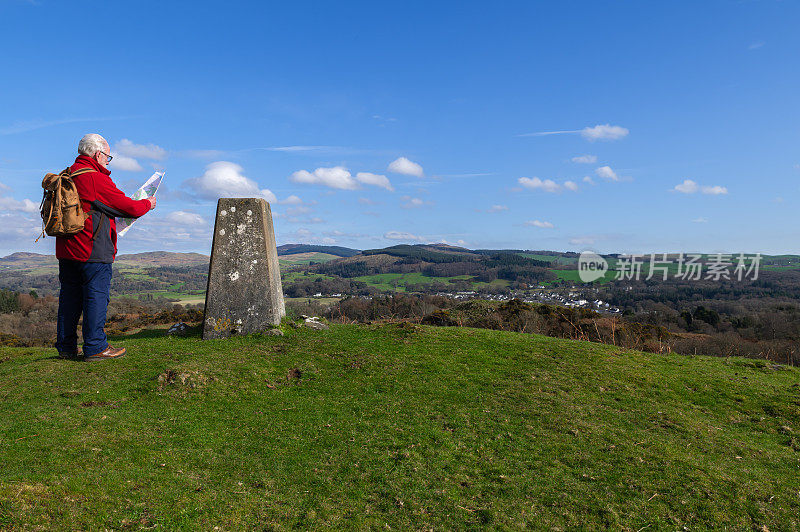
288	277
304	258
402	282
557	259
135	273
497	283
401	427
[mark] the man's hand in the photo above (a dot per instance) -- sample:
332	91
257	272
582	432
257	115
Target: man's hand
152	203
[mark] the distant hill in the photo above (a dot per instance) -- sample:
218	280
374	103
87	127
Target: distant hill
21	260
434	253
294	249
163	258
29	261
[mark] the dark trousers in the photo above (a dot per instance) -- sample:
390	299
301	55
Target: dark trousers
84	289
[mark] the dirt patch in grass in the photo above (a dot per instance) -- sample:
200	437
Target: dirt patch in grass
294	375
186	379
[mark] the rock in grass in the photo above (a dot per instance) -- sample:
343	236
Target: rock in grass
179	329
312	323
274	332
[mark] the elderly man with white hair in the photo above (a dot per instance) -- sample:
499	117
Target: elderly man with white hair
84	259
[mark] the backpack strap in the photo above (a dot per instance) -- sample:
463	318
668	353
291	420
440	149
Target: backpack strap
81	171
95	230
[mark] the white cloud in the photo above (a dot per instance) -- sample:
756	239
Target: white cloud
691	187
687	187
306	236
223	179
377	180
540	224
598	132
19	229
184	218
585	159
367	201
700	220
126	152
497	208
26	205
571	185
125	164
607	173
291	200
404	166
127	148
401	235
413	203
457	243
588	180
582	241
336	177
714	190
756	45
604	132
548	185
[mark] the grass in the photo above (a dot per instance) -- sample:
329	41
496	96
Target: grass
404	281
167	294
401	427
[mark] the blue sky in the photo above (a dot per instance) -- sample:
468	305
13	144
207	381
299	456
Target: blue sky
612	126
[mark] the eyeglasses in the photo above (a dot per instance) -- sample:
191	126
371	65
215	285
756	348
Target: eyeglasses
108	157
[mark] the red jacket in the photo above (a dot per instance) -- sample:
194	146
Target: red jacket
100	196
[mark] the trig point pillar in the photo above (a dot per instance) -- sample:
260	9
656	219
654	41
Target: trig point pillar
244	293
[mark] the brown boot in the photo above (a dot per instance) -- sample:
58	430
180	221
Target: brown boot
110	352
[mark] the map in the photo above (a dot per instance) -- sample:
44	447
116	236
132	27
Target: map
148	190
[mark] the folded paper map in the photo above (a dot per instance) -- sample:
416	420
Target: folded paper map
148	190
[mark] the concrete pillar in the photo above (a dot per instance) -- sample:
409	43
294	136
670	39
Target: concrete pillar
244	293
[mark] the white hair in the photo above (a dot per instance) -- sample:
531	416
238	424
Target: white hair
91	144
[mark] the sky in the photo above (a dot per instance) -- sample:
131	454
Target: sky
627	127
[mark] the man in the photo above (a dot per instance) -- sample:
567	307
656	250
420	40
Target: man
84	259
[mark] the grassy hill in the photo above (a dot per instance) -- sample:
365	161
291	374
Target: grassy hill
396	426
338	251
296	259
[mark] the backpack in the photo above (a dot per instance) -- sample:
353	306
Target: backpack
61	210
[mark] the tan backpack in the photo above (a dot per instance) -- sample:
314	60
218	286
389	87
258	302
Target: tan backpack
61	210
